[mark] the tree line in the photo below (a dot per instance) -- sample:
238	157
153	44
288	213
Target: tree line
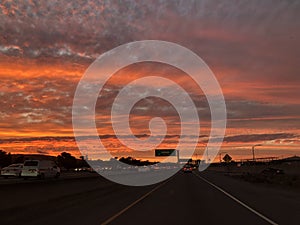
64	160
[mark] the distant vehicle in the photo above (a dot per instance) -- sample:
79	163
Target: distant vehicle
40	169
13	170
143	169
194	167
84	169
187	168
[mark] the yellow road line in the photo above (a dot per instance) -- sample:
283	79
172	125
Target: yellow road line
133	204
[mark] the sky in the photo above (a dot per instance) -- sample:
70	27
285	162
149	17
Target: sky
252	47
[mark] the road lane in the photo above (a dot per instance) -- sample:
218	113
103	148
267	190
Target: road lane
281	204
184	199
109	220
67	202
188	200
237	200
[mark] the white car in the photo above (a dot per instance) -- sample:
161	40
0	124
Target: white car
40	169
13	170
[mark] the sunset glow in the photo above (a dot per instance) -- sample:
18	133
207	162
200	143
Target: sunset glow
46	47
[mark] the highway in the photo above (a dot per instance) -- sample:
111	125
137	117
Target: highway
185	198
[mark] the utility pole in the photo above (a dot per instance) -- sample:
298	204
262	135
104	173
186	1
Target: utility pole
207	155
253	148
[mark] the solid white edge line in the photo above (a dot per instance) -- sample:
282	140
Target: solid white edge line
237	200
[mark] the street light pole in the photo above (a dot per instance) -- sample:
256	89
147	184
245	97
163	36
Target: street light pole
253	148
207	155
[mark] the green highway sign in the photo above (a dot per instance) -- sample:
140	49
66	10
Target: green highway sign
165	152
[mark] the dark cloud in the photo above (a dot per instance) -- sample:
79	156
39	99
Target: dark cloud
258	137
251	46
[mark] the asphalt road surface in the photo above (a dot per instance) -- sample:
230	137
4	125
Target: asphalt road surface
191	198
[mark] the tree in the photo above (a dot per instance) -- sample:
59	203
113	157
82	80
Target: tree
5	159
66	160
135	162
82	163
19	159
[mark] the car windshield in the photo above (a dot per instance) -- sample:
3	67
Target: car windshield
31	163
